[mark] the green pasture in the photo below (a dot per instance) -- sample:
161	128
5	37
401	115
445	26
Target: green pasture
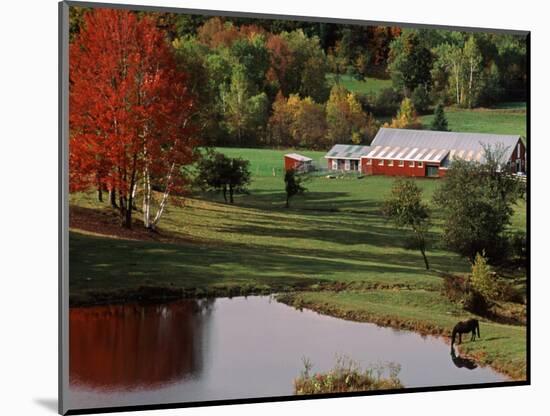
368	86
333	233
507	120
333	236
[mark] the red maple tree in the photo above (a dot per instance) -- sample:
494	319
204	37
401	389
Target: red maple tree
129	112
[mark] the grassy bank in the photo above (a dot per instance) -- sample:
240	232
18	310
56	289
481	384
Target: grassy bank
503	347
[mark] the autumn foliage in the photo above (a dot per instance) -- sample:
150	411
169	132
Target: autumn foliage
129	111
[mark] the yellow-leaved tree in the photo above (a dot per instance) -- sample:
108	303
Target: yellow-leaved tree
406	117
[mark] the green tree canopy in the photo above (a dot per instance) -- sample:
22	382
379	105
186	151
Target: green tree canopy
476	202
406	209
218	172
306	72
410	62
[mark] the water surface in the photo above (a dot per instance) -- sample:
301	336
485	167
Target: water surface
196	350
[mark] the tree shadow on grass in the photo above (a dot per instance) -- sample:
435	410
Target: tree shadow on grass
97	262
311	201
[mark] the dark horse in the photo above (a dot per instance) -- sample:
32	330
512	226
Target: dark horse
463	327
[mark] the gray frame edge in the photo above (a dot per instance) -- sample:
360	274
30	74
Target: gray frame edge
316	19
63	206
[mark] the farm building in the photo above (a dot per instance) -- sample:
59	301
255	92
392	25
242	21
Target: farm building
299	163
426	153
346	157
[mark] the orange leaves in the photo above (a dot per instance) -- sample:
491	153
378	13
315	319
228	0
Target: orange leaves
129	106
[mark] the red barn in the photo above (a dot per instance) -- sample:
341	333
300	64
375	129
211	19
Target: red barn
426	153
299	163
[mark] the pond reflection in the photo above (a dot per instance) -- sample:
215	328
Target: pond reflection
131	346
462	362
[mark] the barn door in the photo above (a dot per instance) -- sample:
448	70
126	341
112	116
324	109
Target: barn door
432	171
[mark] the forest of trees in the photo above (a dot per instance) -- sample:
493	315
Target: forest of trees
259	82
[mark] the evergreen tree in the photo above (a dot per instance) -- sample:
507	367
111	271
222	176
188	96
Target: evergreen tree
439	123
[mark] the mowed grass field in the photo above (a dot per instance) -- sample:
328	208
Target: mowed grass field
332	246
368	86
506	119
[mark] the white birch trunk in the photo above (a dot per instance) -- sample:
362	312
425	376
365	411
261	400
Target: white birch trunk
165	195
134	191
146	198
147	203
146	190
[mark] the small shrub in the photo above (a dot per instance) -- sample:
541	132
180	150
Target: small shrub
454	288
458	289
483	280
347	376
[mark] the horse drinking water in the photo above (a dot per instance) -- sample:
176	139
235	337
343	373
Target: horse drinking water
463	327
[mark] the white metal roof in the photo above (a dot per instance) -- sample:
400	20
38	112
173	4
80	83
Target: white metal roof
407	153
346	151
298	157
428	145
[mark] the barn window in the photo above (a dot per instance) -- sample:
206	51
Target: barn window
419	164
401	163
346	164
334	164
411	164
381	162
519	151
390	163
369	161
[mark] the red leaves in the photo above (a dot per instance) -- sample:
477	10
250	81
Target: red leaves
129	106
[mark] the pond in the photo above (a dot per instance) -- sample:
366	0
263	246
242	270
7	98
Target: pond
217	349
